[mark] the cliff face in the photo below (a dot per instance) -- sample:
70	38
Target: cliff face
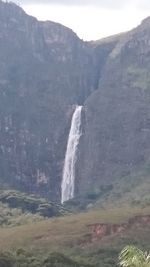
117	116
45	70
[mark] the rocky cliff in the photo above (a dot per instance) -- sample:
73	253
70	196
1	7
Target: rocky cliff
45	70
116	136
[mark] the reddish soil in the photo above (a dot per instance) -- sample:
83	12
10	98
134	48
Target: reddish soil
101	230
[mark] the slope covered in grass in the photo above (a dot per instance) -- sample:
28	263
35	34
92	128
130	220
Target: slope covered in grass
70	236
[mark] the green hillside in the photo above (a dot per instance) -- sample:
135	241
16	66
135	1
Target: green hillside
71	236
132	189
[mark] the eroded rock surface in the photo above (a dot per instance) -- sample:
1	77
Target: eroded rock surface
101	230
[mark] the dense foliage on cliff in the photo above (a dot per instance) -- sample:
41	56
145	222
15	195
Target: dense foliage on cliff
25	202
18	208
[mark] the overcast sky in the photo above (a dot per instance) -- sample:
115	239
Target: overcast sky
90	19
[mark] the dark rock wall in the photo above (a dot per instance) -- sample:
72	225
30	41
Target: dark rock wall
45	69
117	116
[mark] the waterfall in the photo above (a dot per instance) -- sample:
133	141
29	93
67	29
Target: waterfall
68	180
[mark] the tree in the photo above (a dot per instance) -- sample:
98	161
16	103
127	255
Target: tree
131	256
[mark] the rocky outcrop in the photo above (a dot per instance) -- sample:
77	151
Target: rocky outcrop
100	230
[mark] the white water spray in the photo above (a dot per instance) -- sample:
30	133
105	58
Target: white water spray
68	180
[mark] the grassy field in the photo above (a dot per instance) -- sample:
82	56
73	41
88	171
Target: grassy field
59	233
70	235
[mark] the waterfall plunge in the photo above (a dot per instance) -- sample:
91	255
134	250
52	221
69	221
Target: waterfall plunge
68	180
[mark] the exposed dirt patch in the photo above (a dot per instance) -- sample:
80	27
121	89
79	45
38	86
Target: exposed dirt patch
101	230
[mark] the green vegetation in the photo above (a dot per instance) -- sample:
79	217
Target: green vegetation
139	77
18	208
89	199
71	236
65	241
12	217
131	256
30	203
22	258
131	190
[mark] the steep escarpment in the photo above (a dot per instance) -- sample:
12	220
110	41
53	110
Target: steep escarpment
45	70
116	136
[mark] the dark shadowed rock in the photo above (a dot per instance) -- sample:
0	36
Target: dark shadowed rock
45	70
117	116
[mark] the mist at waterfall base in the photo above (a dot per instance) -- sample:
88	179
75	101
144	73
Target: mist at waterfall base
68	179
